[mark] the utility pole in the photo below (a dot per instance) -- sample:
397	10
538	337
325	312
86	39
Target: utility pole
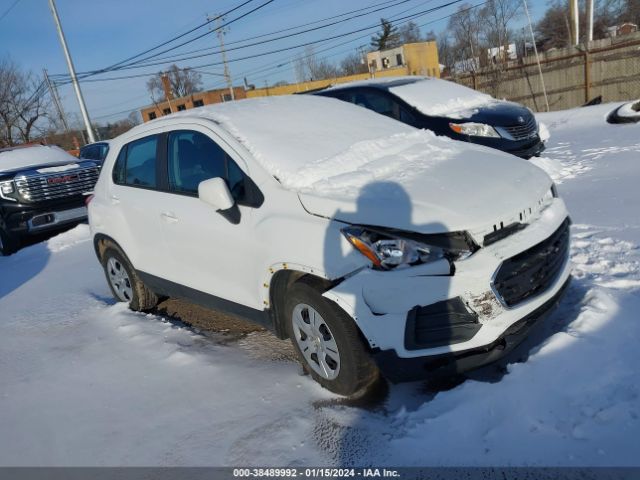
166	86
227	75
72	72
575	25
589	20
535	49
56	99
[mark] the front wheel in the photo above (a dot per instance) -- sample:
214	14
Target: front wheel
9	243
327	342
124	283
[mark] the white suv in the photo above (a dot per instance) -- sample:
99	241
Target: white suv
374	246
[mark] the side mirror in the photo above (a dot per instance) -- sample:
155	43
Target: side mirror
216	193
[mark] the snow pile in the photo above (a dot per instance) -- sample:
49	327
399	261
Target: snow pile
24	157
436	97
575	155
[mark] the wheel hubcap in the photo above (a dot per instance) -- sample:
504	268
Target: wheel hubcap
119	280
316	342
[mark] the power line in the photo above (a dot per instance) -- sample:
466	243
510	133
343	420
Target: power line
122	65
279	64
178	37
370	27
6	12
269	40
208	49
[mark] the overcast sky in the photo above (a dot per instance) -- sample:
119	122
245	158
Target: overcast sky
101	33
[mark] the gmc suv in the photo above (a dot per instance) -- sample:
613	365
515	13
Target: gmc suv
41	188
374	246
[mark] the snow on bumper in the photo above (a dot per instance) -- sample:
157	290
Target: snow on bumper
380	301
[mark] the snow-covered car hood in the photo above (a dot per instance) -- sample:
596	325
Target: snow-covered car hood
35	156
465	188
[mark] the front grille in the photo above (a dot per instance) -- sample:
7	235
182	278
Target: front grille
42	187
533	271
524	130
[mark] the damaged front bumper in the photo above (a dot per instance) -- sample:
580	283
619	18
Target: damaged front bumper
417	322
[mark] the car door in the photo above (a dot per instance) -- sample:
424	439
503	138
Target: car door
207	251
134	198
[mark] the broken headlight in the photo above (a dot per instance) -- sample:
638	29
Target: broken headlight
388	250
474	129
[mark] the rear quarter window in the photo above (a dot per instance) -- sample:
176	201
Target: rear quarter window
136	163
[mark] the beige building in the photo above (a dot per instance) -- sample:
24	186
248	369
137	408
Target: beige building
417	58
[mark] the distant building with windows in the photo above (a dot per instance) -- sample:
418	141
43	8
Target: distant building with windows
417	58
195	100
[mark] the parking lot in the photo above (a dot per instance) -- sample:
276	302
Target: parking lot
85	381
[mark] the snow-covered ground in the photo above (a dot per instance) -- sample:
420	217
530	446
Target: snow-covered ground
84	381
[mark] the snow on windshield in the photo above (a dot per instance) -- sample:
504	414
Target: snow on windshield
33	156
436	97
317	144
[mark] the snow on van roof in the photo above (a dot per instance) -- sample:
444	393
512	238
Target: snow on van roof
312	143
24	157
429	95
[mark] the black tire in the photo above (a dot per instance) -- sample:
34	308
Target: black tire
357	372
9	243
140	297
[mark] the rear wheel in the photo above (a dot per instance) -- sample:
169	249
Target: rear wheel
327	342
124	283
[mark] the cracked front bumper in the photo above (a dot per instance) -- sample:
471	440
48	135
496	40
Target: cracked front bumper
380	302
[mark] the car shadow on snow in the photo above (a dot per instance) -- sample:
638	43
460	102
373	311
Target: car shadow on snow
391	204
20	267
28	261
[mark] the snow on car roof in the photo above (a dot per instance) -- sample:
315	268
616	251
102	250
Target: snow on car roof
24	157
311	143
429	95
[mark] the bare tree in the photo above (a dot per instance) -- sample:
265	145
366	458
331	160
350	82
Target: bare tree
23	105
183	82
309	67
353	64
552	31
409	33
388	36
465	27
497	17
446	54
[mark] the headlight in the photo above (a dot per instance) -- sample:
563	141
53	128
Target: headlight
6	189
387	250
474	129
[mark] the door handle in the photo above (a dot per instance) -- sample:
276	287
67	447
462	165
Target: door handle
115	199
169	217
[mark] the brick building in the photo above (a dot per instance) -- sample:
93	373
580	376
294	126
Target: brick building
195	100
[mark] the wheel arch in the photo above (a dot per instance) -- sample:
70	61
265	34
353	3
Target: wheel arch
280	282
100	242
